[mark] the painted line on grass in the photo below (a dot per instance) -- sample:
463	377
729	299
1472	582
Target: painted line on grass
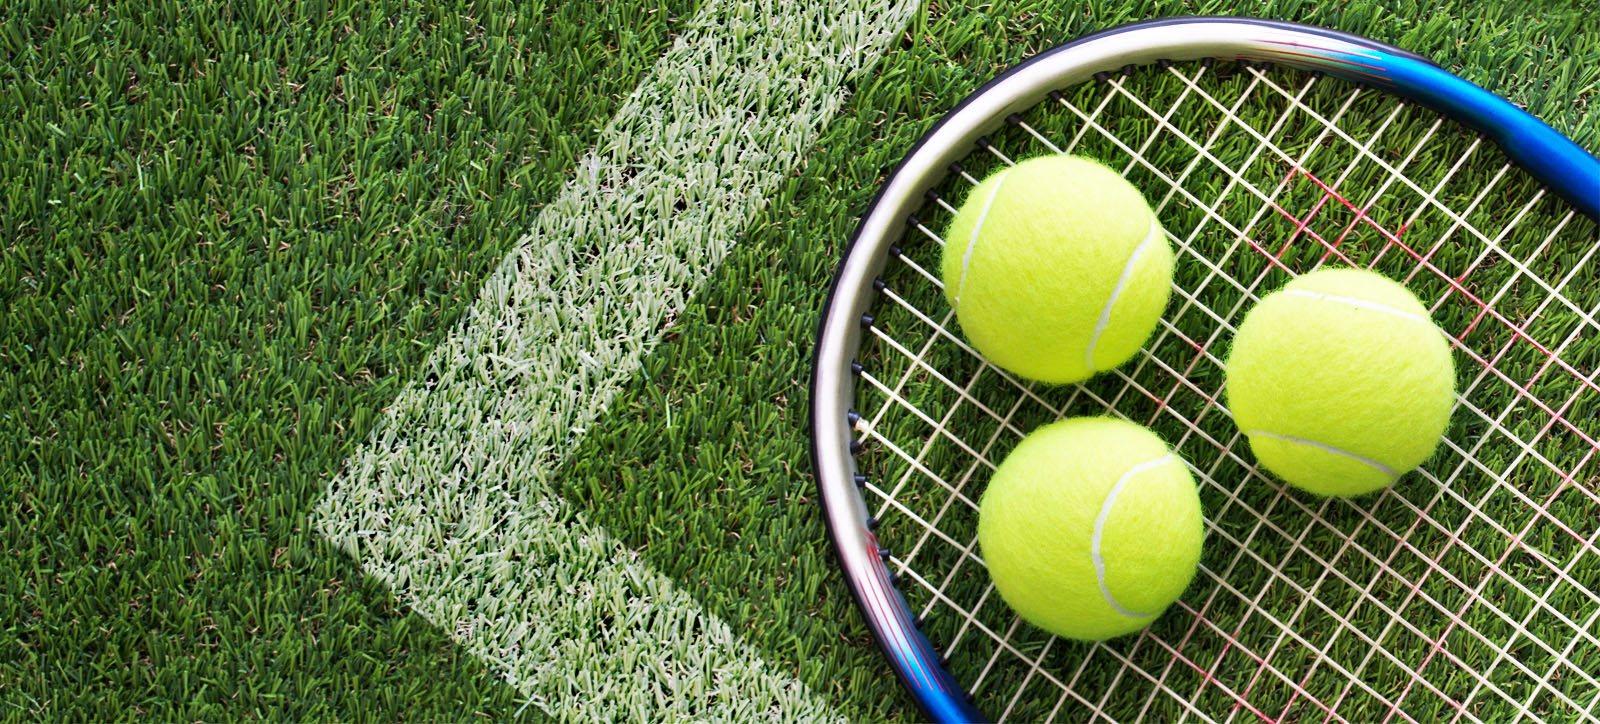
450	502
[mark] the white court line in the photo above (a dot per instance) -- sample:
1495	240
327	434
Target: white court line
450	502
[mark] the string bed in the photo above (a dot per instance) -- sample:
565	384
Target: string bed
1467	592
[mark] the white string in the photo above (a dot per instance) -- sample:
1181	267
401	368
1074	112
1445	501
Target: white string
1300	163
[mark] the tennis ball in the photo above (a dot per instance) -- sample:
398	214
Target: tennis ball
1056	268
1090	528
1341	382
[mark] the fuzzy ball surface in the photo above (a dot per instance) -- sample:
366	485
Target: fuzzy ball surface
1341	382
1057	268
1091	528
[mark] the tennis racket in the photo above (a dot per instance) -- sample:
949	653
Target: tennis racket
1469	591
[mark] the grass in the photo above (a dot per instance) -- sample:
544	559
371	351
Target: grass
232	233
229	231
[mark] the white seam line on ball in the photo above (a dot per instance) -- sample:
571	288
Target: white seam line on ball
1363	304
1100	529
1380	467
972	241
1122	282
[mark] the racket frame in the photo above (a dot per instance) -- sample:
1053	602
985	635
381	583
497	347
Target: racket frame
1544	153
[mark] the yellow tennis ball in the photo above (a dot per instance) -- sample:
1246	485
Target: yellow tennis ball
1091	528
1341	382
1057	268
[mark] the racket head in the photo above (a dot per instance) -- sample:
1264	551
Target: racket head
838	429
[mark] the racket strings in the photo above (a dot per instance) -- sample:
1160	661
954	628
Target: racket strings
1348	569
1365	147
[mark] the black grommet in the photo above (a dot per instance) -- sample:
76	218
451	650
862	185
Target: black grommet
861	480
866	321
855	447
877	284
1102	76
931	195
1014	119
982	142
1127	70
883	554
1267	65
916	622
852	417
956	169
1055	95
894	578
872	524
1163	63
855	368
894	253
1207	62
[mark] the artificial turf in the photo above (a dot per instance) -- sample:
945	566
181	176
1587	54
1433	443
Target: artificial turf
232	232
230	229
